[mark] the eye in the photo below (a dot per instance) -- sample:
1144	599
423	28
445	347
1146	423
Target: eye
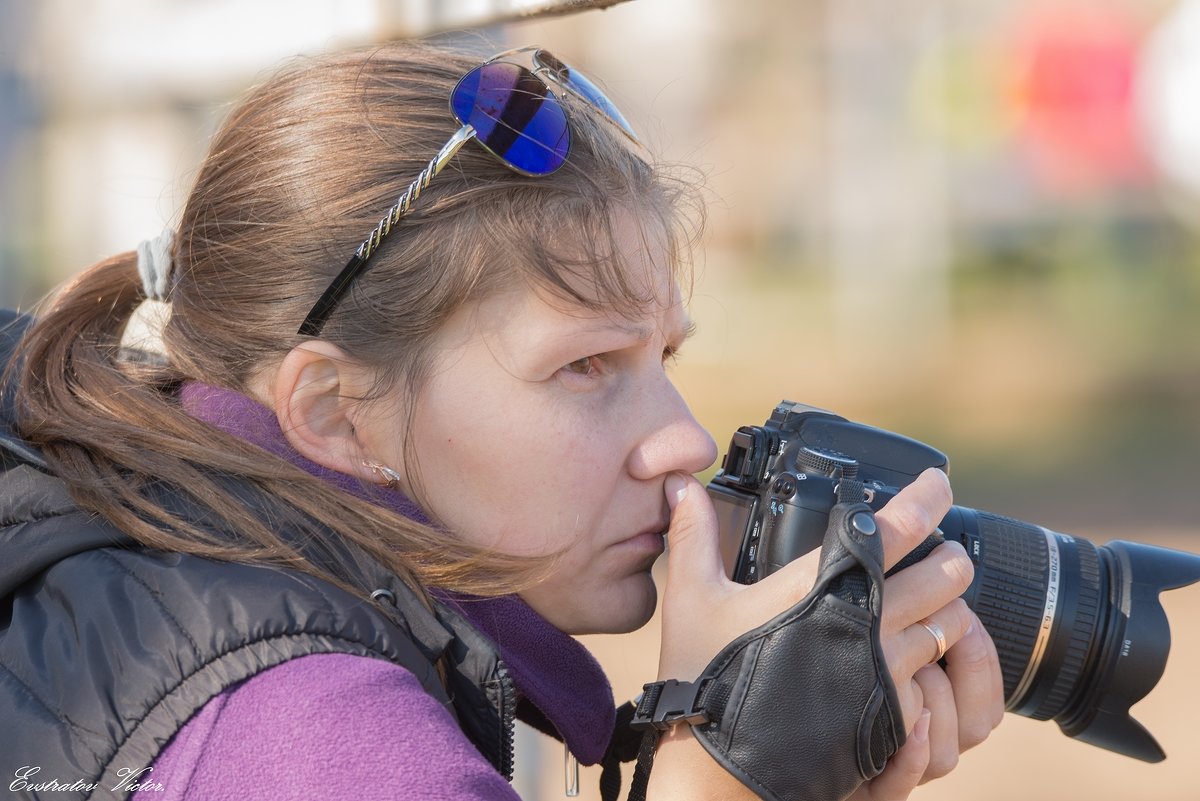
674	348
584	367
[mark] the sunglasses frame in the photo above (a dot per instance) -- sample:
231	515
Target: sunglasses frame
546	69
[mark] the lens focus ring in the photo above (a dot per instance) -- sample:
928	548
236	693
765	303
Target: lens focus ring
1039	596
1012	578
1084	591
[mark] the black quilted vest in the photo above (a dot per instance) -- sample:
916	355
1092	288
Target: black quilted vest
107	648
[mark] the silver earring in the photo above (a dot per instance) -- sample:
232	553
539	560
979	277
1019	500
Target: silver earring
391	479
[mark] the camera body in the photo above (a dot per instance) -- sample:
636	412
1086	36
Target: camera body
778	482
1079	629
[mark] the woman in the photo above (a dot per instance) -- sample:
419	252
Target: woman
333	527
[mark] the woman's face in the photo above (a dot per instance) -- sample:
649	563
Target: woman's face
545	427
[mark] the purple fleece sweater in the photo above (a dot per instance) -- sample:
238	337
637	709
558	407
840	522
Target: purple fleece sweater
337	726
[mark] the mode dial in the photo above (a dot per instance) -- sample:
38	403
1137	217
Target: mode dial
826	462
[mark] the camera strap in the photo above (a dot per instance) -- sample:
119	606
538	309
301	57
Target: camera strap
660	707
802	707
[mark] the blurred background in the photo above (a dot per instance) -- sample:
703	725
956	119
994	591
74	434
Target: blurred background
970	221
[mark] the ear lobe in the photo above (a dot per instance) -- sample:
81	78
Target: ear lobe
315	390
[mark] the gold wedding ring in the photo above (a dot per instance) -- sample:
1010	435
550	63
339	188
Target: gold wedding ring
938	634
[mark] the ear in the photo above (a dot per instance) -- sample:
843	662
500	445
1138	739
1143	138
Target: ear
317	388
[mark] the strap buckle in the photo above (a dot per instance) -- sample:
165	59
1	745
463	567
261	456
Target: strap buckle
663	704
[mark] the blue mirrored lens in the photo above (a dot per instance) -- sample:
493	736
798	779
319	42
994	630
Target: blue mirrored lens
581	85
514	116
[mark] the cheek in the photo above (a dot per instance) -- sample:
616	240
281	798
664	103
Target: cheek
514	469
581	495
534	496
585	462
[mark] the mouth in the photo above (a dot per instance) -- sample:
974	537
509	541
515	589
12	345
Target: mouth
651	540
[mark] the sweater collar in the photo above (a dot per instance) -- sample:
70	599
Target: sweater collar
551	669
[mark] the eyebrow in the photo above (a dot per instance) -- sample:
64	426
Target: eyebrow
643	333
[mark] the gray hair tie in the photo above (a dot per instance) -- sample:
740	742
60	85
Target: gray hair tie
142	339
155	257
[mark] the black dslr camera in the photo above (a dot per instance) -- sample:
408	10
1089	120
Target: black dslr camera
1079	629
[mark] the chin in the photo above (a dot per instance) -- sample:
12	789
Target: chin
619	610
619	624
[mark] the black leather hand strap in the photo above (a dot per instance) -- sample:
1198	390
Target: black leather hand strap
802	708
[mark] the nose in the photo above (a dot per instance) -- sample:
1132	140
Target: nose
675	443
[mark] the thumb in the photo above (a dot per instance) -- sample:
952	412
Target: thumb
693	540
907	766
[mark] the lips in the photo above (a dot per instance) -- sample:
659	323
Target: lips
652	538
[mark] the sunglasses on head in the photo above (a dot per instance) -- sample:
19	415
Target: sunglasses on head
509	109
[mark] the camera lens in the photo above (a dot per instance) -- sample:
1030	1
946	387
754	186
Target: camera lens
1038	594
1079	630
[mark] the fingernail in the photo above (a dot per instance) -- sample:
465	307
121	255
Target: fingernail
921	730
676	489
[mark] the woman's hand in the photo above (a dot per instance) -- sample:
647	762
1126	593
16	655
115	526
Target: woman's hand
968	697
703	611
954	708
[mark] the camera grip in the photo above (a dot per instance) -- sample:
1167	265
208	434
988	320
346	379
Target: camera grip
803	707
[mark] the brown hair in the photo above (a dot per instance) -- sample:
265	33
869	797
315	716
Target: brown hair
299	174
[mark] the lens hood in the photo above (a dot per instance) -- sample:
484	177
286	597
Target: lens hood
1132	649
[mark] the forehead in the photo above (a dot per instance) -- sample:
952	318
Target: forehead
536	314
622	282
622	279
626	267
534	317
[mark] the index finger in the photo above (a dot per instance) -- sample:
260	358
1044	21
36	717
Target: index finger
907	519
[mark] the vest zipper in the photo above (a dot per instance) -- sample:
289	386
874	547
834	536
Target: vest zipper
508	719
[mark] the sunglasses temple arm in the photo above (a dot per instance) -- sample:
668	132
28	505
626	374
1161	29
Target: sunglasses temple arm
460	138
315	320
